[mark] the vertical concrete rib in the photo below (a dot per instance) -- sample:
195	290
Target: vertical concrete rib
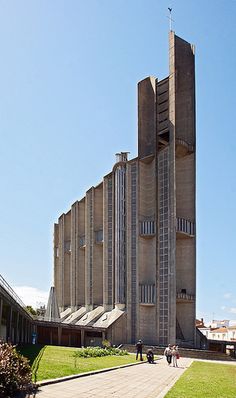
80	258
60	279
164	241
120	234
146	117
108	208
172	193
89	236
56	276
73	269
67	259
183	63
132	303
98	246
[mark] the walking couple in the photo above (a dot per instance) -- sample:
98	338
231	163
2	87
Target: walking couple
172	352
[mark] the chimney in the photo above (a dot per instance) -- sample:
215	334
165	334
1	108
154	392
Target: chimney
122	157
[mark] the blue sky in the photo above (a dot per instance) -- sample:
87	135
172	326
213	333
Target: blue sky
68	99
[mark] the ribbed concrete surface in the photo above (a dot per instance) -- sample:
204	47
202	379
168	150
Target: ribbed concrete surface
144	381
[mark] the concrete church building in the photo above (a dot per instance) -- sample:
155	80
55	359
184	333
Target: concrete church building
125	254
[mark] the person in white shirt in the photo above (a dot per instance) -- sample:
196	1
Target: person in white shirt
168	354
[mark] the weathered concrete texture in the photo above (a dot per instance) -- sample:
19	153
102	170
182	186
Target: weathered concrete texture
184	65
146	117
52	311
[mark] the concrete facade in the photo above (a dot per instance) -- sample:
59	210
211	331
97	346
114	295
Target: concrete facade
129	246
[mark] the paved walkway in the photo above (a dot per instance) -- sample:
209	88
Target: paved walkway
143	381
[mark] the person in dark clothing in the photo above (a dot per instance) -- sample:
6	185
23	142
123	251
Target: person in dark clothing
150	355
139	350
168	354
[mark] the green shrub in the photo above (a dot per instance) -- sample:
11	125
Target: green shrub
117	351
15	373
93	352
106	344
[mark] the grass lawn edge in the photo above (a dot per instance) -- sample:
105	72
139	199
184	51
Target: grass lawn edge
194	381
92	372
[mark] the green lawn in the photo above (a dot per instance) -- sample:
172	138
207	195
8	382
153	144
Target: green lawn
53	361
203	380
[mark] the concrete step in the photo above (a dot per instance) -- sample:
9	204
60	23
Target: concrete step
184	352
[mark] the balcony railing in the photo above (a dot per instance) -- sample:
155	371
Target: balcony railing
184	226
147	228
184	296
183	147
147	294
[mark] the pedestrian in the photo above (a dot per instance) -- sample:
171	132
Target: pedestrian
168	354
175	355
139	350
150	355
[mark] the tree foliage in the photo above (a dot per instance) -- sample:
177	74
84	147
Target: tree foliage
30	309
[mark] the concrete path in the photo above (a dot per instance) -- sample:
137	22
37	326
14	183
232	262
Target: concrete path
143	381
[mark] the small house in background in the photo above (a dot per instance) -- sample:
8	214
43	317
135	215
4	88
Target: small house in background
219	336
219	324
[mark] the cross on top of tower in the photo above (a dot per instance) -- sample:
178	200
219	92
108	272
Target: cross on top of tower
170	18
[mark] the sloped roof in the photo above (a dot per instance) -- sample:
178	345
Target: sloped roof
64	314
90	317
108	318
75	316
220	330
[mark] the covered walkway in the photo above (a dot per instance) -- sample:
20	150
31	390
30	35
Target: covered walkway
16	324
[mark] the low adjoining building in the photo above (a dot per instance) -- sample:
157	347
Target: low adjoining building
16	323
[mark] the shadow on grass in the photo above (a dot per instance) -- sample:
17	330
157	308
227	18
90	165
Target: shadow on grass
30	351
34	353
